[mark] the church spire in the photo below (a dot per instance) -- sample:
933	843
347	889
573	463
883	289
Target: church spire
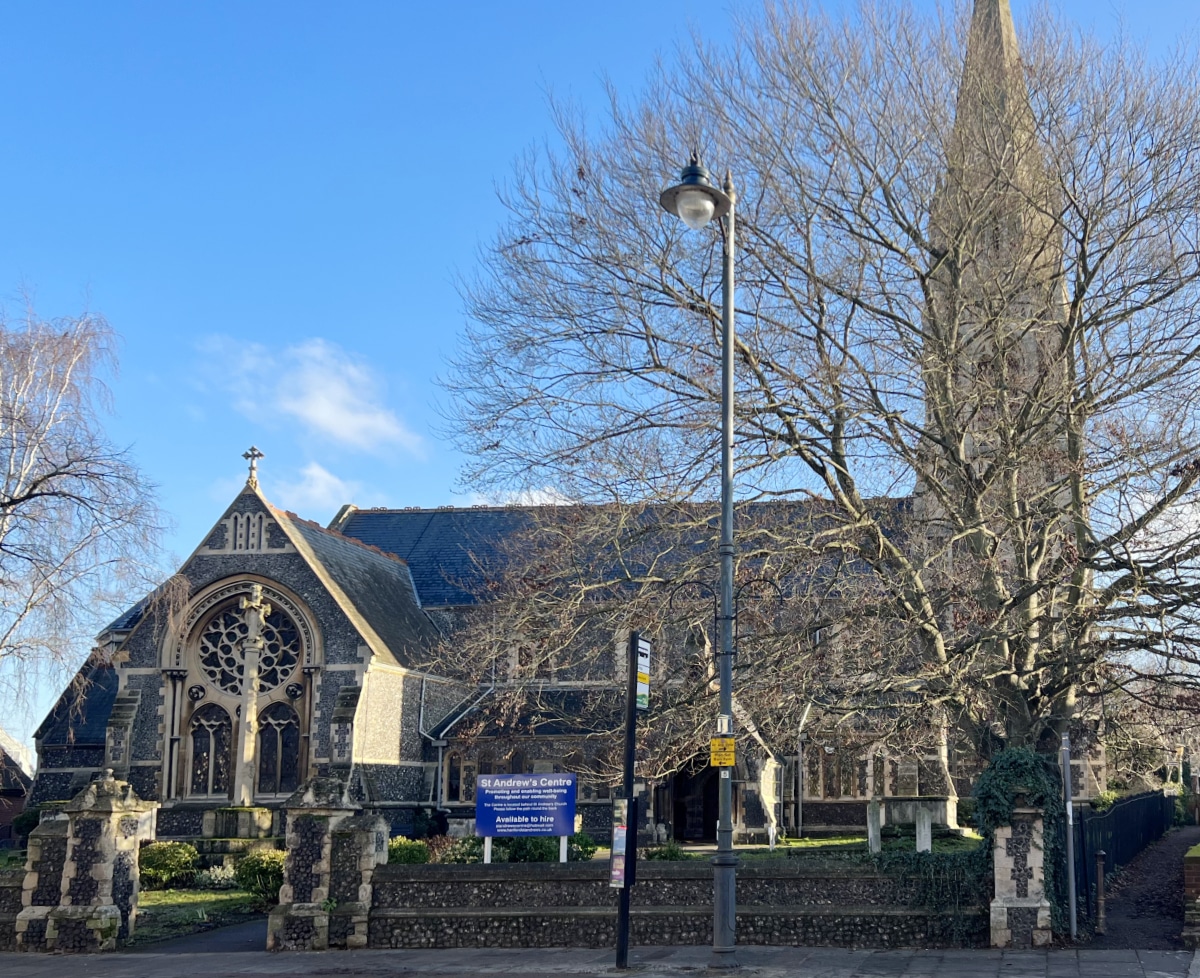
993	37
993	81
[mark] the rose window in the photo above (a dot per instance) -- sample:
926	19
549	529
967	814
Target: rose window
224	661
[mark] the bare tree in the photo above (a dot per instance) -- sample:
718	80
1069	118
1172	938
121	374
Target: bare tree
78	522
969	283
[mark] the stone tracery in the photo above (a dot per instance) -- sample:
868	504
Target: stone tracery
222	657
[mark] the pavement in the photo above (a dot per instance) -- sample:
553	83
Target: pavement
237	951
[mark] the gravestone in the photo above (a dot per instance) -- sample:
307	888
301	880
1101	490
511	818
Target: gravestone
874	827
924	830
907	777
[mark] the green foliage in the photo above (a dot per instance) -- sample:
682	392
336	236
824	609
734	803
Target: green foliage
670	851
967	811
217	878
1038	777
404	850
443	849
581	847
538	849
164	865
1105	800
261	873
27	821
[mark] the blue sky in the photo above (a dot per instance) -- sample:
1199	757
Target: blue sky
270	203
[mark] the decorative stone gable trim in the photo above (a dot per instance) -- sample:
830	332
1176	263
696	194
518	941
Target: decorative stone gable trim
248	533
118	737
341	730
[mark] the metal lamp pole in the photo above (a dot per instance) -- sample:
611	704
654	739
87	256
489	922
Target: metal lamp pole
697	202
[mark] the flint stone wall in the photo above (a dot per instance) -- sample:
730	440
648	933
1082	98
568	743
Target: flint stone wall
11	881
549	905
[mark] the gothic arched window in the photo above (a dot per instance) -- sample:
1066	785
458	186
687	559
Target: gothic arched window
278	750
212	741
454	778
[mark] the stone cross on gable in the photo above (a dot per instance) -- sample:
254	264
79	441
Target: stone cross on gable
252	456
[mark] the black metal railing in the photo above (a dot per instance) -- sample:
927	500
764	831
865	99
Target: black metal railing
1121	833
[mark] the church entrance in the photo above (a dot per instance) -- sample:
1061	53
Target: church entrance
696	805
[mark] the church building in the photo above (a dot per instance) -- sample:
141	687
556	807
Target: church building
282	649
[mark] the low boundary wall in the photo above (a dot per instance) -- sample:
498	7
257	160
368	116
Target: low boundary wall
556	905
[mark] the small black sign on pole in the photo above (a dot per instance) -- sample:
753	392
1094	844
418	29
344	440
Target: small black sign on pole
624	862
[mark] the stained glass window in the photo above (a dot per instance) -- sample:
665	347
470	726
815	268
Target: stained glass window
278	750
212	737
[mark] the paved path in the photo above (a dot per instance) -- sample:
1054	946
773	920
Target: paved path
756	962
1146	909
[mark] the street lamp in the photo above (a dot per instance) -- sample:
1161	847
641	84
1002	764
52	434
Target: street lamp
697	202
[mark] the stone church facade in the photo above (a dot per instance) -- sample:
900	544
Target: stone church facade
337	686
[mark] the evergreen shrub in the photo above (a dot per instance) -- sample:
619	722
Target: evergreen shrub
27	821
261	873
581	847
538	849
167	865
404	850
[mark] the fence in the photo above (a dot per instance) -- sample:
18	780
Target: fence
1121	832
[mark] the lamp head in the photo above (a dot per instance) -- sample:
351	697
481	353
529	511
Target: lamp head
694	200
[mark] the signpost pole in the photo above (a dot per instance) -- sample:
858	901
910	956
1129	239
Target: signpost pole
631	705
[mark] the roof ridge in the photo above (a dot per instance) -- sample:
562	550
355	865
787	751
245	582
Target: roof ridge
339	535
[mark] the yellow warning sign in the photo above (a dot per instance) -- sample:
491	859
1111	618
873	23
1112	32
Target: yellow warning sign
722	752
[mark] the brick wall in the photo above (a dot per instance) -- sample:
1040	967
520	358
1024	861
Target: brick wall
1191	875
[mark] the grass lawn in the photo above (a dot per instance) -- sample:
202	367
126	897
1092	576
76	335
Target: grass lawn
163	914
12	858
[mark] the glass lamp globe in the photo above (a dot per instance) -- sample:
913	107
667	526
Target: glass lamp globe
695	208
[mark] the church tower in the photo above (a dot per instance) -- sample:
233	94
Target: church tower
995	317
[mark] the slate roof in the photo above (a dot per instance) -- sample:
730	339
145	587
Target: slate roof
129	618
379	586
447	550
80	717
451	551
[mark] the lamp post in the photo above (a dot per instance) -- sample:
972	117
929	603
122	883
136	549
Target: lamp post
697	202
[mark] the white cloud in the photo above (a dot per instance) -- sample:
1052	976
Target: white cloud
331	392
544	496
316	489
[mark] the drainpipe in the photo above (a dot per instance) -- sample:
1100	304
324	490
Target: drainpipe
439	779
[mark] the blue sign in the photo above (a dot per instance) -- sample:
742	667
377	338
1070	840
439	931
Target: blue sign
524	804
